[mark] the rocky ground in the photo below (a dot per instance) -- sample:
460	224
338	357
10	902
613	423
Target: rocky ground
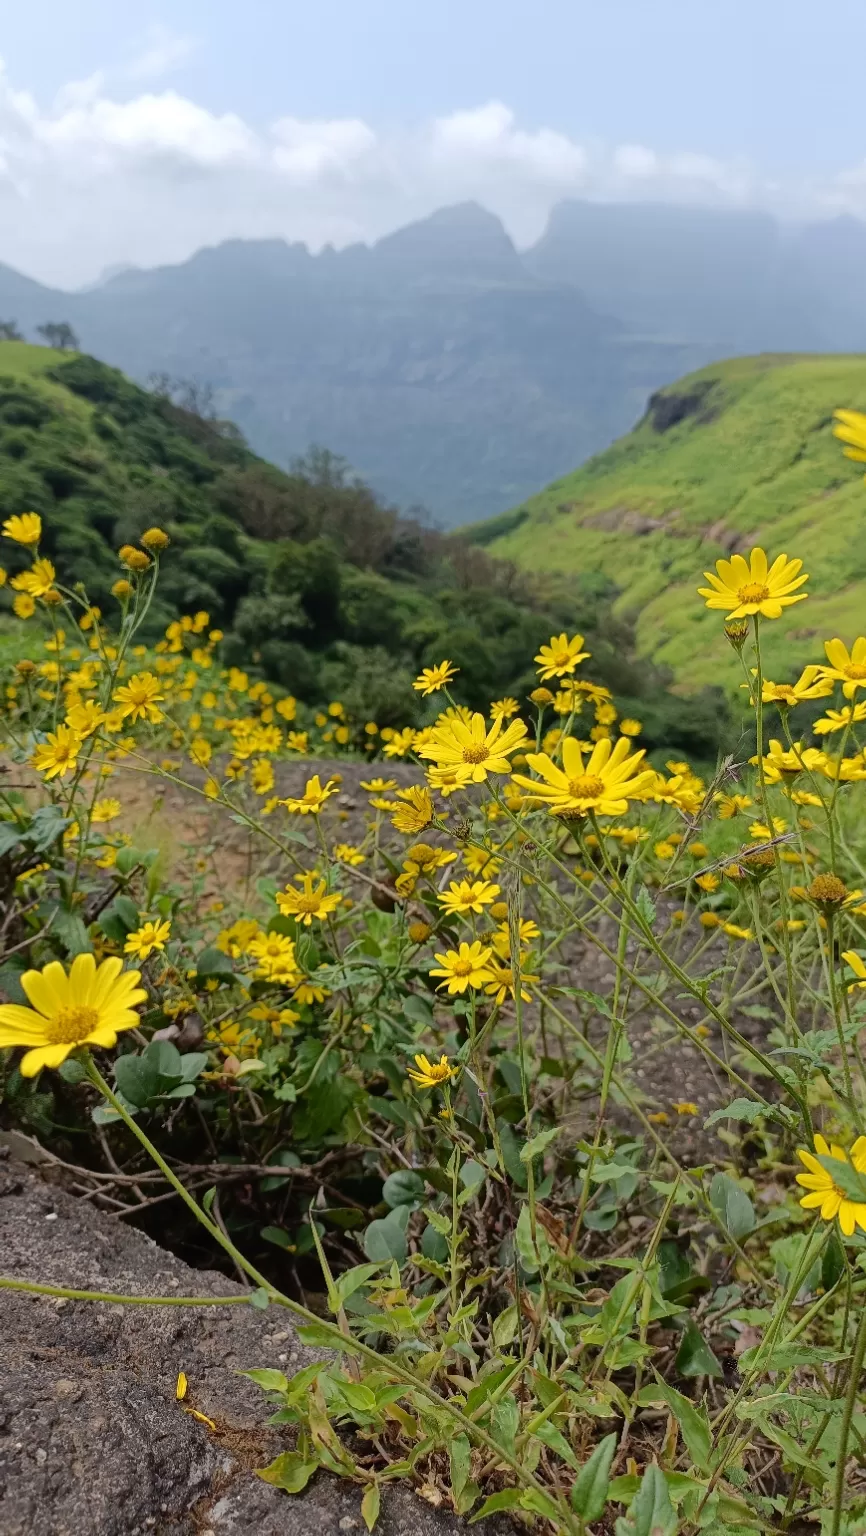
92	1439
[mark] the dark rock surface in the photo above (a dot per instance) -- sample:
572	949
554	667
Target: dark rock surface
92	1439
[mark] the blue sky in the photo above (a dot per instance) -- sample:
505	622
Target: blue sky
324	119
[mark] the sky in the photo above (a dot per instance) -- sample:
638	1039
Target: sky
139	133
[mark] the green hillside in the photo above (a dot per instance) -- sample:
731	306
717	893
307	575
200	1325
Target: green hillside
317	584
738	454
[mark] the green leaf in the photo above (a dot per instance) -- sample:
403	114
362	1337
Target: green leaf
538	1144
509	1498
10	836
386	1238
212	962
589	1493
403	1188
460	1453
260	1299
72	933
278	1236
691	1417
694	1356
269	1381
72	1071
351	1280
137	1079
733	1206
290	1472
832	1263
740	1109
846	1178
651	1512
646	906
362	1399
370	1506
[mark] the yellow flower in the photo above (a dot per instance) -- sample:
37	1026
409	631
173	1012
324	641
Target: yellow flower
262	776
453	744
347	853
24	529
89	1006
541	696
728	806
561	656
23	606
139	698
144	940
839	719
852	430
400	742
447	779
848	668
708	882
432	1074
811	684
835	1190
853	960
134	559
431	679
85	718
740	588
502	983
378	786
275	954
464	896
605	784
37	581
468	966
760	831
734	932
419	932
503	709
309	902
57	755
416	812
105	810
311	801
122	589
685	1107
664	851
783	763
630	727
155	540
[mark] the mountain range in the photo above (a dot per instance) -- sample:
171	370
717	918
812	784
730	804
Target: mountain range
451	370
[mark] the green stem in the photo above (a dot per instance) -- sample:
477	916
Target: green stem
845	1430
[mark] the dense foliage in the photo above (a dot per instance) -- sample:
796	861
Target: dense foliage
316	582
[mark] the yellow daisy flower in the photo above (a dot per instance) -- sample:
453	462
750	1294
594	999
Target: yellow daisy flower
309	902
836	1183
26	528
741	588
846	667
57	755
604	784
89	1006
468	966
143	941
453	744
431	1074
561	656
431	679
311	801
464	896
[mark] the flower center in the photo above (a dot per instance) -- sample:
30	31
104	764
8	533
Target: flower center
71	1025
307	903
478	754
828	890
462	967
561	658
587	787
753	592
856	671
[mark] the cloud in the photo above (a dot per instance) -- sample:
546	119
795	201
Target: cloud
309	150
102	176
159	52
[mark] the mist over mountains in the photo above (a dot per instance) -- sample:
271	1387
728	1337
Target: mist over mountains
452	370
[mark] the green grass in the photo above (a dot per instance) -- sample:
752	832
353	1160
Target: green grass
754	463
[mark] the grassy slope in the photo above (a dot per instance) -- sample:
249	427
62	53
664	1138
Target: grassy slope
764	468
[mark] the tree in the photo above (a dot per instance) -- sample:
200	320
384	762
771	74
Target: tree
9	331
59	334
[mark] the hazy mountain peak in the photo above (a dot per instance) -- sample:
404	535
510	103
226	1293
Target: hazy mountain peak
464	239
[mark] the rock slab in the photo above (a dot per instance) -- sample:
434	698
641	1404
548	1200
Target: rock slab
92	1439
